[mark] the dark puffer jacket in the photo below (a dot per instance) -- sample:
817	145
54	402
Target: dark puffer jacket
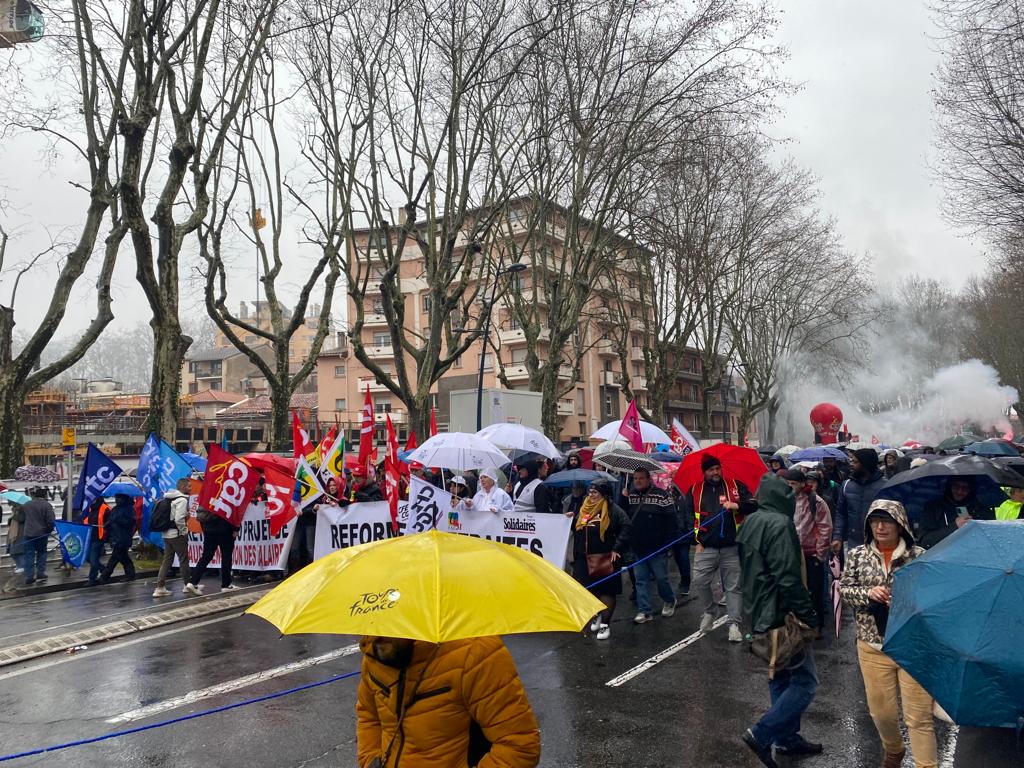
855	497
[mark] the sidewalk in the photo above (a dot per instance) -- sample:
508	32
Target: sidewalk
58	579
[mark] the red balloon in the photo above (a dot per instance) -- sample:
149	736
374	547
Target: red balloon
826	420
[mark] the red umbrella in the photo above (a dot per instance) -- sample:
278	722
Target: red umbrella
738	463
285	464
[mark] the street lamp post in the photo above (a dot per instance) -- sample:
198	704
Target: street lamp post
509	270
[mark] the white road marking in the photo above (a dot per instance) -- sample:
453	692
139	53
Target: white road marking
114	645
625	677
231	685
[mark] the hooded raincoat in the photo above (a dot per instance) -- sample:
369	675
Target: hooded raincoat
773	566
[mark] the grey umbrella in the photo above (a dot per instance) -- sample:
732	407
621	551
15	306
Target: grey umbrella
628	460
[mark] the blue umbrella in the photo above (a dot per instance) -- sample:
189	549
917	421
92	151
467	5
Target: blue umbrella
127	489
15	497
819	452
567	477
666	456
957	623
990	449
197	462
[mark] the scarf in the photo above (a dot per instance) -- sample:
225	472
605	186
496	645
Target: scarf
590	511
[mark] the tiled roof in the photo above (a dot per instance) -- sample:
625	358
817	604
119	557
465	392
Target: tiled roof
216	396
260	404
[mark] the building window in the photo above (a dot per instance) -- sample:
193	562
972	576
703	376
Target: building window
519	356
378	307
608	366
382	339
382	405
339	371
513	323
636	369
216	367
488	361
608	406
426	302
458	362
193	388
580	401
191	366
339	405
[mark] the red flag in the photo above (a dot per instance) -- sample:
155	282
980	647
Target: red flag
280	490
410	444
300	438
629	428
391	473
325	444
366	431
746	441
228	485
433	422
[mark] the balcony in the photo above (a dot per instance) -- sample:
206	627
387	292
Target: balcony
637	324
372	384
566	407
609	378
606	315
375	353
638	384
636	354
518	336
374	320
605	347
397	417
680	405
517	373
565	372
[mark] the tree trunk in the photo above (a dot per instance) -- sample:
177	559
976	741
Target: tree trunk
280	422
549	419
169	348
12	444
773	419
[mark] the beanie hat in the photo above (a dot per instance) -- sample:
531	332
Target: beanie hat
795	474
707	461
867	457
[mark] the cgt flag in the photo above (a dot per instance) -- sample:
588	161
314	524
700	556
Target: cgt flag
97	475
366	431
228	486
280	505
300	438
74	542
682	441
392	471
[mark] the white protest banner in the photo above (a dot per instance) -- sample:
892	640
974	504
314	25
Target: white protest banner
256	549
545	535
340	527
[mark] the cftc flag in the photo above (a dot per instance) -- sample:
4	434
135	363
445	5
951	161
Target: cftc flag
97	475
74	542
307	488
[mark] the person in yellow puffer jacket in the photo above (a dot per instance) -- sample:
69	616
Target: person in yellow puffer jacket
451	705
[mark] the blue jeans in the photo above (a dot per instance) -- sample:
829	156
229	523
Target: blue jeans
34	559
655	568
792	691
95	559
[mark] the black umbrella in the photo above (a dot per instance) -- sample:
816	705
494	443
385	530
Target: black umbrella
956	442
627	460
768	450
1016	463
916	487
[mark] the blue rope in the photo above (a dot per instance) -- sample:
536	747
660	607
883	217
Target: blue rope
172	721
671	544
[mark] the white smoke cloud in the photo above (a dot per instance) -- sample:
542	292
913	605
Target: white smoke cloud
967	395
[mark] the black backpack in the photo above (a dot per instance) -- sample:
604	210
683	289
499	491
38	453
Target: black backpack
160	520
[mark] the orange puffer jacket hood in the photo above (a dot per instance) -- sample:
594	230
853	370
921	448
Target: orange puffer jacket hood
420	716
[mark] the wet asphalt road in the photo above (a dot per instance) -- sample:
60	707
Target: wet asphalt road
686	711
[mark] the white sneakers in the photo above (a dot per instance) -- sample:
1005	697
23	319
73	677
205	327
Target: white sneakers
735	636
192	589
229	588
643	618
707	623
604	632
161	592
668	609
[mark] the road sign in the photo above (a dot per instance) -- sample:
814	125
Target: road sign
67	438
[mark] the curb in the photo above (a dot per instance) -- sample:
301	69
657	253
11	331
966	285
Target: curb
11	592
113	630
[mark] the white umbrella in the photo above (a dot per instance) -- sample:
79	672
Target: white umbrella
611	445
787	450
648	432
860	444
457	450
519	438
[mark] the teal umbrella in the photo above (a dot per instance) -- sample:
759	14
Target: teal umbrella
956	442
957	623
15	497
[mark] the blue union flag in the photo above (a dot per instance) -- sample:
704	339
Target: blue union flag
74	542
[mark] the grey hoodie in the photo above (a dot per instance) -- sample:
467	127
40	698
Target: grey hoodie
179	514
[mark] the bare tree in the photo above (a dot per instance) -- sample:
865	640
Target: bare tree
980	112
993	308
251	160
80	124
403	101
608	92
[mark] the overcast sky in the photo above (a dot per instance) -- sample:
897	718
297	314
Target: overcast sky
861	122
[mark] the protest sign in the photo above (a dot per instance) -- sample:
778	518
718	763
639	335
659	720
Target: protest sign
256	548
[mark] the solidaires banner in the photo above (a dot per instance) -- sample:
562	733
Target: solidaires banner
256	549
341	527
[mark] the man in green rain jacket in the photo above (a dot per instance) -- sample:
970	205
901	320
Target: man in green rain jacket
773	586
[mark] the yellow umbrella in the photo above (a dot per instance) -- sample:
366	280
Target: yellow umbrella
429	586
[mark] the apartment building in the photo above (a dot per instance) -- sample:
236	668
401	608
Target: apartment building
592	399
